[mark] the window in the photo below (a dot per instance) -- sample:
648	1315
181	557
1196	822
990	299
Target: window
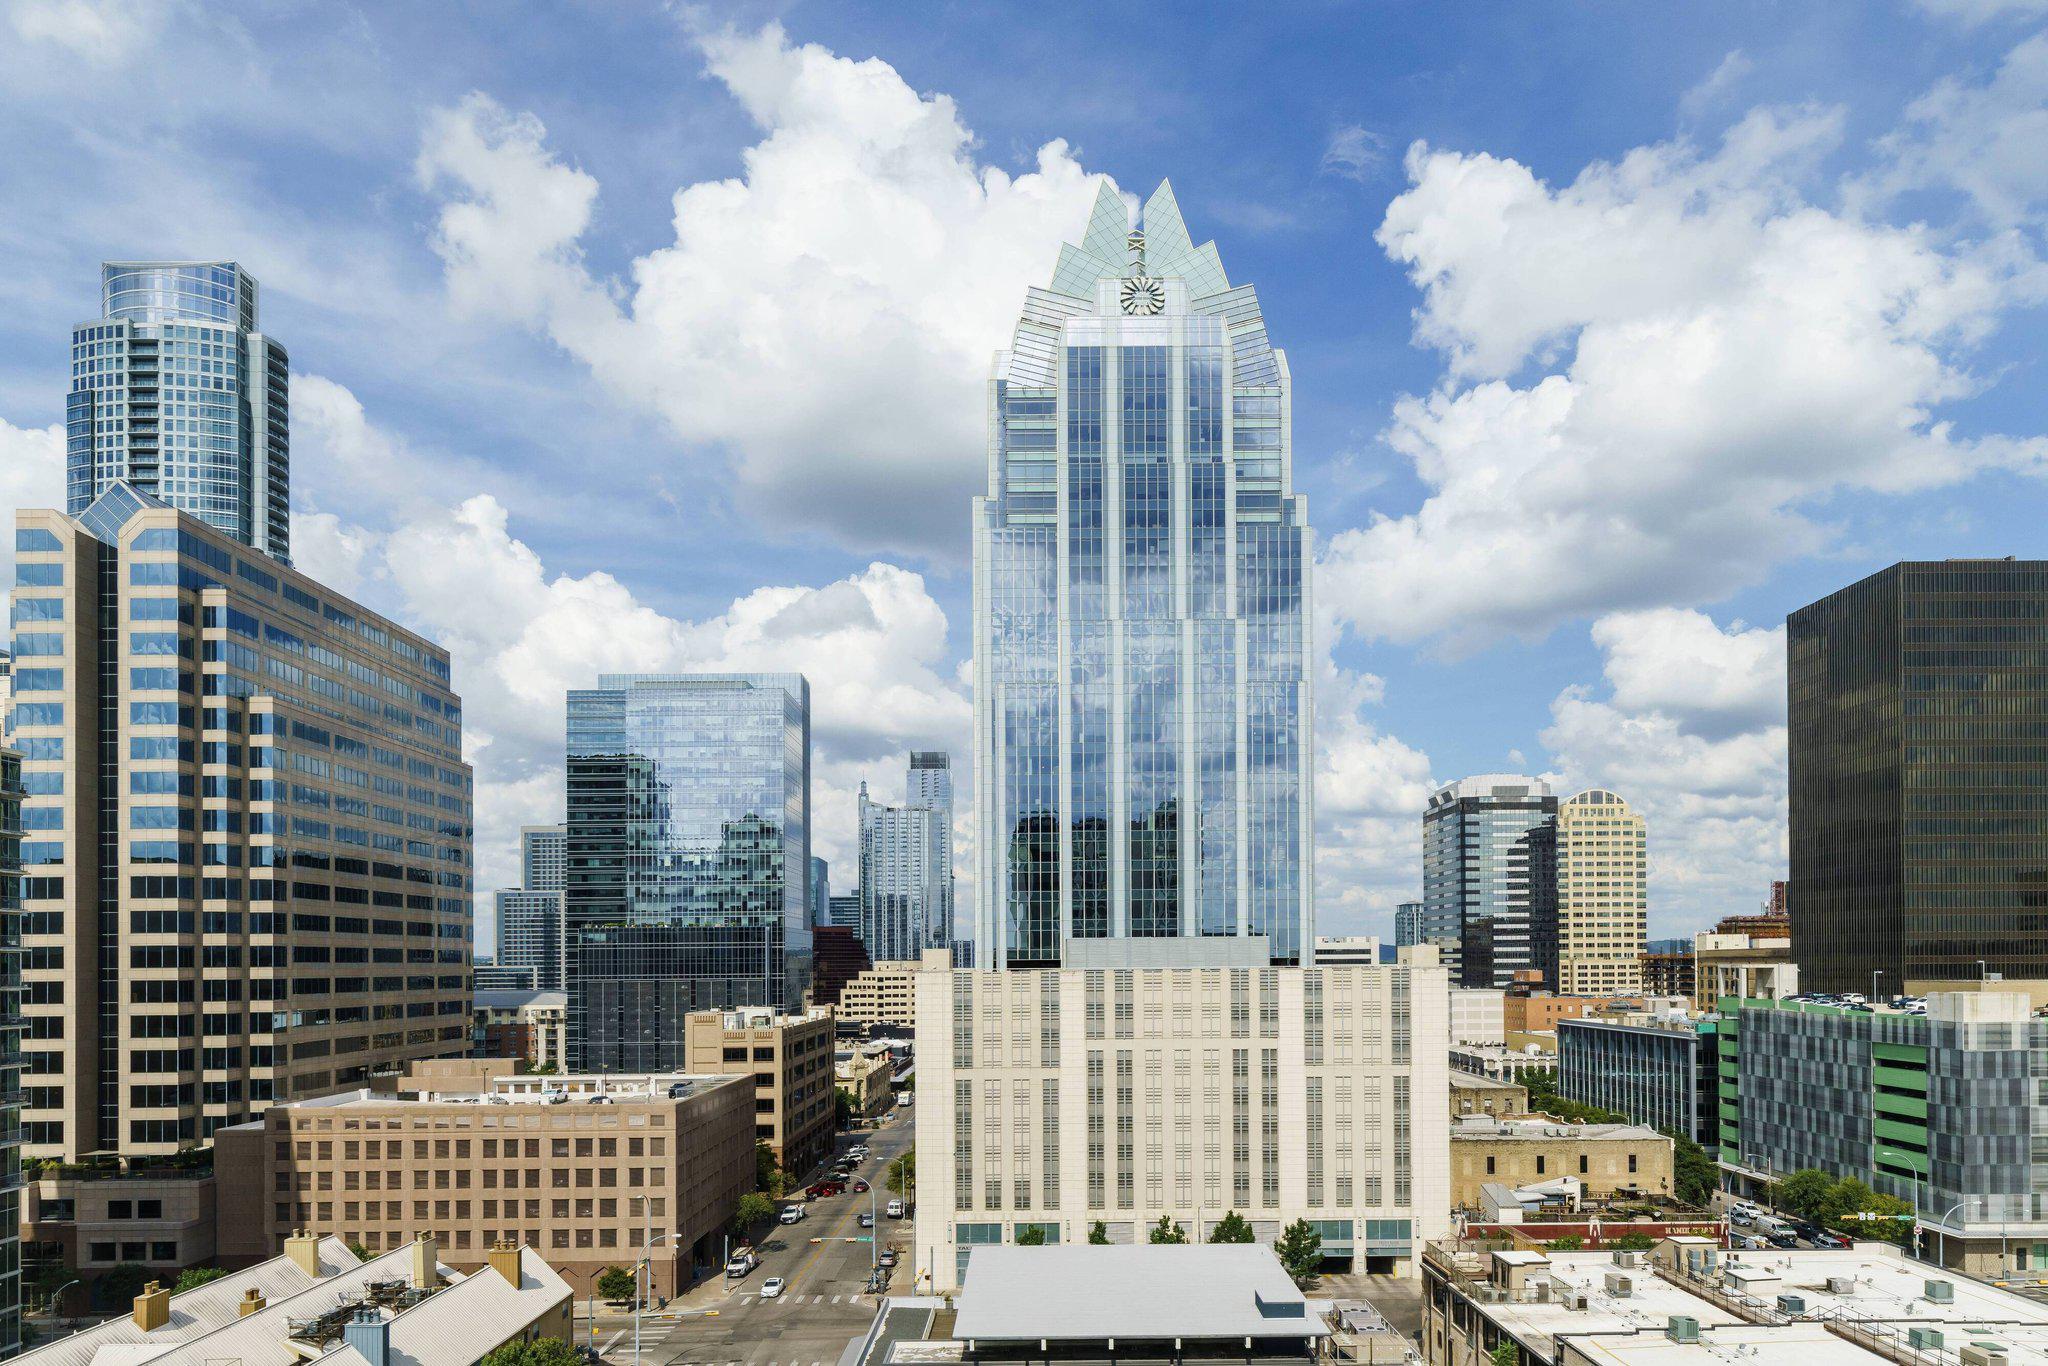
1489	1166
1542	1164
1582	1164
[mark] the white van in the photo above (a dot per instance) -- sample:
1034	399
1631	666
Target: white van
903	1101
895	1209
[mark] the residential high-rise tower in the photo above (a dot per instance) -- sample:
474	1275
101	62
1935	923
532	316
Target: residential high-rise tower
176	392
1142	656
532	926
899	889
931	786
1602	895
1489	878
689	854
1919	788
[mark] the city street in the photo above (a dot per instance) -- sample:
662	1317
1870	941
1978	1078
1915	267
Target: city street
824	1261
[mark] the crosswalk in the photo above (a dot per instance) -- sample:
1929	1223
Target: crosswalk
795	1299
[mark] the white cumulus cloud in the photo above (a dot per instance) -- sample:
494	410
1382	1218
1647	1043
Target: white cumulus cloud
1652	373
826	318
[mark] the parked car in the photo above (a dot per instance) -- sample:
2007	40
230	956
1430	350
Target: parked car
1748	1242
794	1214
741	1262
825	1188
860	1187
1783	1237
771	1287
1741	1214
888	1256
895	1210
1826	1239
866	1220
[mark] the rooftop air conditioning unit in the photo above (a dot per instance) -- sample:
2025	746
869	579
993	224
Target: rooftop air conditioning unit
1983	1354
1941	1292
1841	1285
1684	1328
1924	1339
1575	1299
1619	1285
1792	1304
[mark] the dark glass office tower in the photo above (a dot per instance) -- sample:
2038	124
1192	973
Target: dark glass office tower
689	856
1919	778
1489	878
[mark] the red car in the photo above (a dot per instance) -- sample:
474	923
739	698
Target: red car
825	1188
860	1187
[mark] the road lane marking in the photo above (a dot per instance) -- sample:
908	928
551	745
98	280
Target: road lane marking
615	1340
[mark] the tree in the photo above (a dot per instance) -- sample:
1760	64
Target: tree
842	1107
1031	1235
1098	1234
616	1284
1693	1174
120	1284
1165	1231
753	1208
1505	1353
192	1277
362	1254
1231	1228
1570	1242
767	1176
1804	1191
1633	1242
539	1352
902	1174
1300	1250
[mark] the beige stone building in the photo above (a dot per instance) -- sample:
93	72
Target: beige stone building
1607	1159
93	1221
863	1071
582	1168
1602	895
885	994
1744	966
789	1058
247	870
1051	1099
1473	1094
530	1026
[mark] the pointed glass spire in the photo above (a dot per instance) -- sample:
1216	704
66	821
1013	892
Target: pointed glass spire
1107	224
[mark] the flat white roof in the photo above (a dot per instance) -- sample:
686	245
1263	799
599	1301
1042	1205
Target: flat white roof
1792	1344
1083	1292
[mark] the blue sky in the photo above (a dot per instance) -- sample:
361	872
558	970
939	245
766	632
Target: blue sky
639	336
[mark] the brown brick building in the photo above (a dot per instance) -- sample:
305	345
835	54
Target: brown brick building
790	1059
580	1168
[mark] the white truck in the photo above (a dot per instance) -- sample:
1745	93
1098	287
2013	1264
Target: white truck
741	1262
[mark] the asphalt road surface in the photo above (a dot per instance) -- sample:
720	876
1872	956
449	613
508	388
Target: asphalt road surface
823	1305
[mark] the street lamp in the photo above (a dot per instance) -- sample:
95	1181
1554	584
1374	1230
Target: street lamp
55	1303
1942	1224
644	1265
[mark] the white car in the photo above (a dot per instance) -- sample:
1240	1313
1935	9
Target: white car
792	1214
771	1288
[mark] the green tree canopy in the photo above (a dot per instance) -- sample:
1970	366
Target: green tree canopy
1031	1235
1231	1228
1165	1231
1693	1173
119	1285
539	1352
1098	1234
192	1277
615	1283
1300	1250
1635	1242
842	1107
1505	1353
1803	1191
902	1173
753	1208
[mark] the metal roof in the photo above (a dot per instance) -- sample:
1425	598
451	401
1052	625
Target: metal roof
1137	1291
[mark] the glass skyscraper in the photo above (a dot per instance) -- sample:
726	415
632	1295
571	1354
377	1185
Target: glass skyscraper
1489	878
1918	778
689	855
931	786
176	392
1141	649
902	903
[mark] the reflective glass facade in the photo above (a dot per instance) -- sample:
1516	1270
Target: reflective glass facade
174	391
1489	878
688	857
1141	603
11	793
1918	751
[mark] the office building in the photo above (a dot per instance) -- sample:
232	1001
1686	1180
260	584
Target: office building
902	901
1472	1094
931	786
1407	924
89	1220
1684	1302
1671	972
843	912
1054	1099
497	977
789	1061
176	393
1505	1062
1602	895
1607	1161
1478	1015
531	935
883	995
1141	647
1937	1109
1916	811
689	854
1357	948
543	857
1489	878
584	1168
247	865
318	1304
1733	964
837	957
1665	1073
10	1052
820	894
